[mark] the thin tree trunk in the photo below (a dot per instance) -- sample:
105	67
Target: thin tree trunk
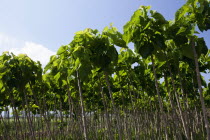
42	113
5	132
185	100
61	117
159	99
186	130
200	89
113	104
71	108
16	116
106	112
29	116
82	107
70	102
174	115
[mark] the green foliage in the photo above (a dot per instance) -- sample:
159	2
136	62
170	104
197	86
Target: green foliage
144	31
195	11
92	56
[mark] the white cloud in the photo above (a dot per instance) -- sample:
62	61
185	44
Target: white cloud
36	52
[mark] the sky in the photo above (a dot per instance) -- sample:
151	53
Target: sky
39	27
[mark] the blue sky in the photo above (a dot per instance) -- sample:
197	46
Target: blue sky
40	27
53	23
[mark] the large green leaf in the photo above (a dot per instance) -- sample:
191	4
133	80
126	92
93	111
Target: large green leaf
146	50
158	17
61	50
187	51
78	51
77	63
135	22
181	30
181	12
201	47
115	36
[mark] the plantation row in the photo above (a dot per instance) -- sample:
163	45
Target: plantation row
89	90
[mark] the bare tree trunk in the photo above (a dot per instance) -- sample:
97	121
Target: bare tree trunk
185	100
61	117
186	130
200	89
113	104
70	101
174	115
106	112
159	99
82	107
5	131
29	116
71	108
16	116
42	113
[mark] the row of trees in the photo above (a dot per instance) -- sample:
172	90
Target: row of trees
155	91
